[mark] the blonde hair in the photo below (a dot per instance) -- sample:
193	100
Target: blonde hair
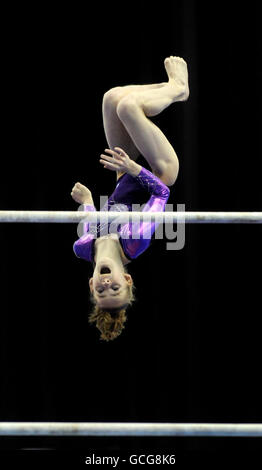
110	322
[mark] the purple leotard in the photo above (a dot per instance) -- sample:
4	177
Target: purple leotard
134	237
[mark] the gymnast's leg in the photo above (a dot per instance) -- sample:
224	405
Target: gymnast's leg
130	128
115	132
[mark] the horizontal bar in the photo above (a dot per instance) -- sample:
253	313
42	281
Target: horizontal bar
129	429
122	217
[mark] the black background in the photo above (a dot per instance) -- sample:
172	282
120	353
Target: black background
191	350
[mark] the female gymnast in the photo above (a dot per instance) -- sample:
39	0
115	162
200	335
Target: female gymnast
129	133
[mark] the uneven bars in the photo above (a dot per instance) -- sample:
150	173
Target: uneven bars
121	217
129	429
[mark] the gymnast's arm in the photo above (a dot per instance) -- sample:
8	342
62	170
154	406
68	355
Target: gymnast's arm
83	196
139	234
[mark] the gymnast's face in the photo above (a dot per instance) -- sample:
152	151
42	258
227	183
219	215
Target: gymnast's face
109	284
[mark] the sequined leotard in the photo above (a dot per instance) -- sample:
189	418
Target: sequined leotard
134	237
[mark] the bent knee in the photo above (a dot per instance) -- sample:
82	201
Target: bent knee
168	173
128	107
113	96
169	180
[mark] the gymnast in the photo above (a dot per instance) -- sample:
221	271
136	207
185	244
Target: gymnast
129	133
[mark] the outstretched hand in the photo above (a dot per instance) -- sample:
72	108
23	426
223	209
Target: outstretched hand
118	160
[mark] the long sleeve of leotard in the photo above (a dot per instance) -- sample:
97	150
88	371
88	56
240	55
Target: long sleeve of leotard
83	246
136	236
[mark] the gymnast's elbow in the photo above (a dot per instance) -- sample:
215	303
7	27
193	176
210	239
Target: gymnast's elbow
166	194
77	249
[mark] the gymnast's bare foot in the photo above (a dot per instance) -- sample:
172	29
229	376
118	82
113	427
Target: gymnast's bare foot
176	69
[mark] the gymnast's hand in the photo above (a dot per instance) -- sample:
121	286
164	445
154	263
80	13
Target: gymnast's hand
82	194
119	161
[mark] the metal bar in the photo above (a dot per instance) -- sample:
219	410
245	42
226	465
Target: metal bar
122	217
129	429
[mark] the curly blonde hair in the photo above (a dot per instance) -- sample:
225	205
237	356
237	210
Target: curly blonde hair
110	322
